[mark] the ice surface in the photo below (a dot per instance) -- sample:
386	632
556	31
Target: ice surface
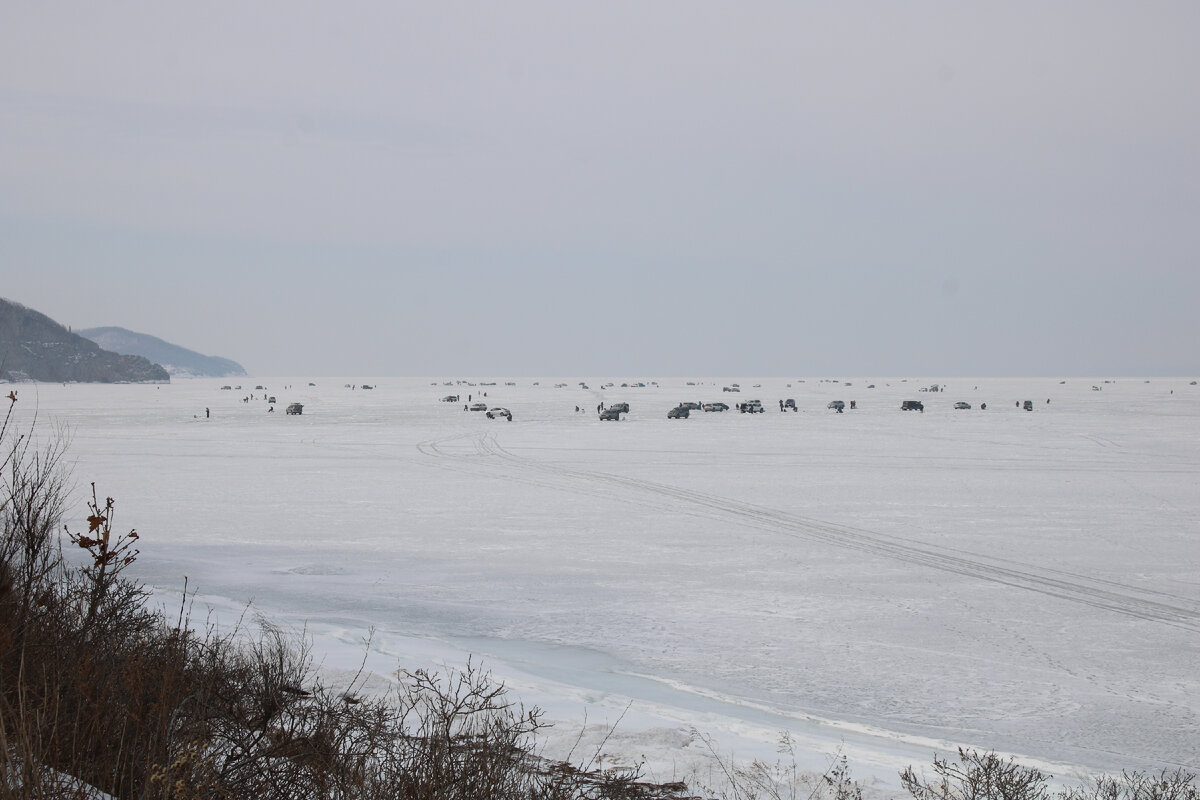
890	583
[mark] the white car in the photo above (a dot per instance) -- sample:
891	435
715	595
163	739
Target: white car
493	413
479	407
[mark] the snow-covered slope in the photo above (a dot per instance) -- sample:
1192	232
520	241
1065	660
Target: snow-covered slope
178	361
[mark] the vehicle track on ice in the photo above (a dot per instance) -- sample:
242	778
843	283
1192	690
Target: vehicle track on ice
1147	604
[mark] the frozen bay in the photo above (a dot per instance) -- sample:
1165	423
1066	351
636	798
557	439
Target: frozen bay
886	582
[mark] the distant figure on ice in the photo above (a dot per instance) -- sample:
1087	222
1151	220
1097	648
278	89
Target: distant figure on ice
206	413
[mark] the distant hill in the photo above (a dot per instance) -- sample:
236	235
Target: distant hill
36	348
179	361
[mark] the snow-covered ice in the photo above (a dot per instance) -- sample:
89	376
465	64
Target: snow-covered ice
889	583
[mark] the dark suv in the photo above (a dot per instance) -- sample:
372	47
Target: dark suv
912	405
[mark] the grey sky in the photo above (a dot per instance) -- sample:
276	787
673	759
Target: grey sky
621	189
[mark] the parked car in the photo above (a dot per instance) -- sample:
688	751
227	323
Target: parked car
690	406
295	408
621	407
611	413
678	412
751	407
494	413
960	405
1027	405
479	407
450	398
730	389
789	403
912	405
836	405
715	407
271	399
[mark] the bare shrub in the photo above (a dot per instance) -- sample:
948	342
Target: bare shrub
32	494
977	776
1175	784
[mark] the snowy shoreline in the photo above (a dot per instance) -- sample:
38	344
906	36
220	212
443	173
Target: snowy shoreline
879	581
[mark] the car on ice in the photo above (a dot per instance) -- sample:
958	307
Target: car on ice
961	406
715	407
496	413
479	407
912	405
836	405
679	412
621	407
295	408
751	407
613	412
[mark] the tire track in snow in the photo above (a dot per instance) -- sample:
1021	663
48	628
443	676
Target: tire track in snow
469	453
1147	604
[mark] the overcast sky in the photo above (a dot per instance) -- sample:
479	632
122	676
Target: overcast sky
612	189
